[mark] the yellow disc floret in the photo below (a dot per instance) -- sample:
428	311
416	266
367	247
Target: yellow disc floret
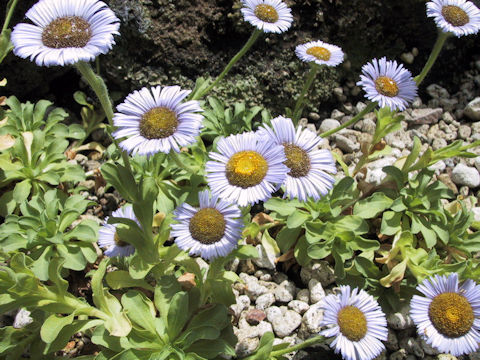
266	13
68	31
386	86
451	314
352	323
246	169
207	226
320	53
298	160
455	15
158	123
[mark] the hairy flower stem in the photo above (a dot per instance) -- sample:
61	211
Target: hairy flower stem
100	89
441	38
229	66
10	8
352	121
297	112
306	343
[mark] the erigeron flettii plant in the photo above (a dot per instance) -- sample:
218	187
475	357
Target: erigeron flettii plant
193	174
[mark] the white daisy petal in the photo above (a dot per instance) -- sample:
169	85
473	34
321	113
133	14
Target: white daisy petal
459	17
107	234
356	321
246	170
448	316
320	52
388	83
268	16
308	165
65	32
156	120
211	231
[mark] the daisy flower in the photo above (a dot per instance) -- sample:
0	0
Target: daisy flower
357	323
65	32
459	17
319	52
308	165
448	316
268	15
211	231
388	83
245	170
155	120
109	239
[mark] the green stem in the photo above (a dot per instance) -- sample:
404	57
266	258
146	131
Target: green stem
433	56
306	343
352	121
98	86
297	112
232	62
9	14
180	164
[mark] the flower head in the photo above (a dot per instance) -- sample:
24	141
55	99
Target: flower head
211	231
109	239
459	17
268	15
65	32
308	165
245	170
448	316
357	323
319	52
388	83
154	120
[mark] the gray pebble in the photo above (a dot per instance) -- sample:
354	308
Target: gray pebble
465	175
298	306
264	301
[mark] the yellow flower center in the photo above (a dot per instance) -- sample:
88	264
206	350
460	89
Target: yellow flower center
352	323
207	226
298	160
68	31
118	241
246	169
266	13
386	86
451	314
455	15
158	123
320	53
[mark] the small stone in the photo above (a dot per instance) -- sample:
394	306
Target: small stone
319	270
392	341
88	184
360	106
398	355
312	318
464	132
286	324
437	92
243	302
316	291
298	306
22	319
92	165
265	260
400	320
375	176
427	348
337	114
264	301
303	295
426	116
246	346
285	292
252	288
263	328
476	161
328	124
472	110
476	213
272	313
412	347
81	159
314	116
466	175
254	316
439	143
345	144
407	58
446	357
438	167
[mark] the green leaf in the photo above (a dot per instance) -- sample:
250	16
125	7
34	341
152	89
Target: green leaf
22	190
264	348
53	326
391	223
372	206
286	238
167	287
121	279
301	251
297	219
140	309
177	314
5	45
